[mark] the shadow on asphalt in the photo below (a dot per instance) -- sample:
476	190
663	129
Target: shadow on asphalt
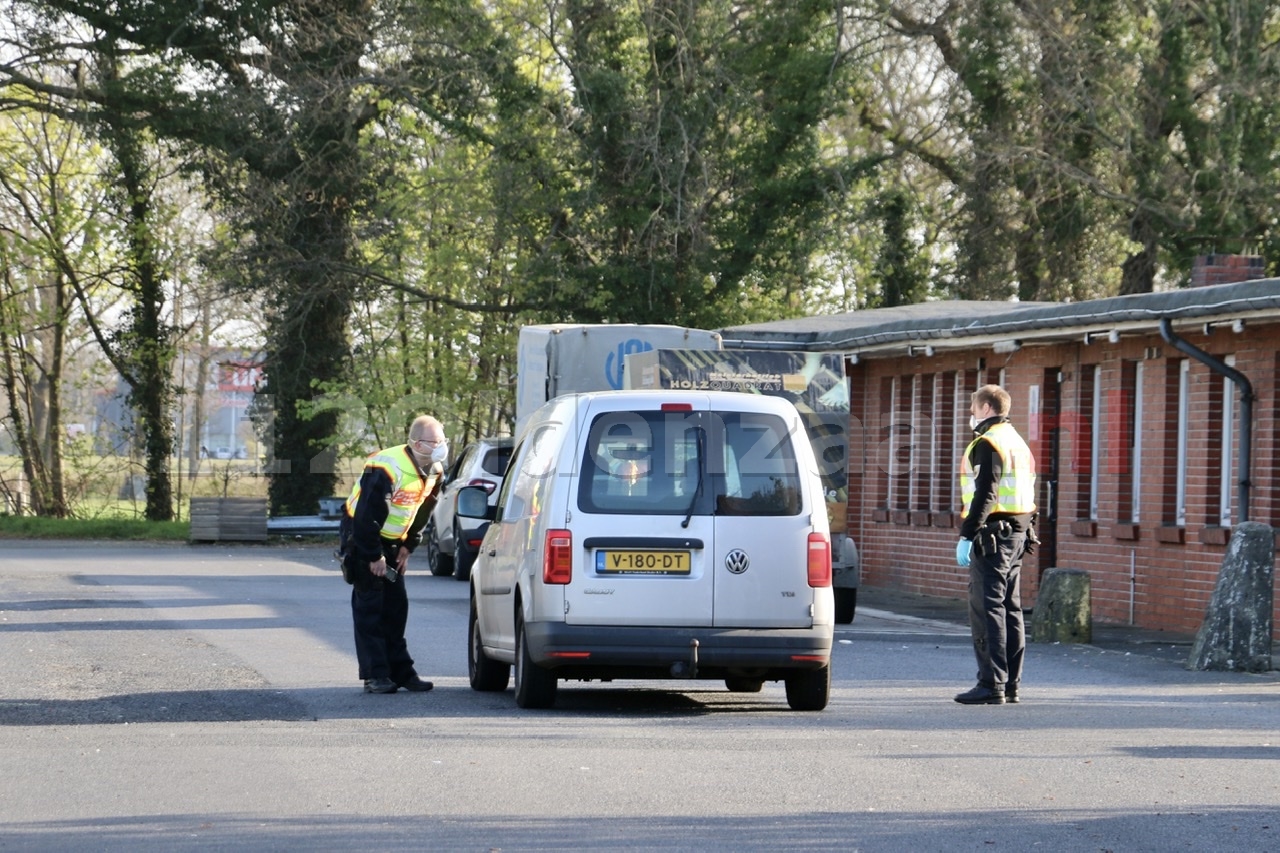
1248	828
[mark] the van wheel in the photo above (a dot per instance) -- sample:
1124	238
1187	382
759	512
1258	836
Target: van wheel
535	686
486	674
439	562
744	685
846	603
809	689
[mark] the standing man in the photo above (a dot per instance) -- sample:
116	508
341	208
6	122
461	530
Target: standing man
997	487
381	526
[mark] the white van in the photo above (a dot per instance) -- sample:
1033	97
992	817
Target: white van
657	535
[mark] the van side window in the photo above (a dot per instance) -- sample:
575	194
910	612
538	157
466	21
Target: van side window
531	474
760	475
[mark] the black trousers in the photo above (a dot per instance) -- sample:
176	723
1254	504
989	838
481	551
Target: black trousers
379	613
995	611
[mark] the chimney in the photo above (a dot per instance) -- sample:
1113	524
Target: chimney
1208	270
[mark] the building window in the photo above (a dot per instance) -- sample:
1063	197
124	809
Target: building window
1127	428
964	435
1177	404
1135	443
1085	439
896	401
887	439
903	401
922	443
945	430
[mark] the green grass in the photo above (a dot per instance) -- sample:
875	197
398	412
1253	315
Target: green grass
125	529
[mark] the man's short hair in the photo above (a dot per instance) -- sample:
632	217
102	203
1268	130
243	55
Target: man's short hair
995	397
419	427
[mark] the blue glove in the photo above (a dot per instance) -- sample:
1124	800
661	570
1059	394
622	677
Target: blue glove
964	548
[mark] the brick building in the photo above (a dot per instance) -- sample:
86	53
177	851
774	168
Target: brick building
1136	407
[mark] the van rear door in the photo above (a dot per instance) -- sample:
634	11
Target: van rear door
763	511
643	534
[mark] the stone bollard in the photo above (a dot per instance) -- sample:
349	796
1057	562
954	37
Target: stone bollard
1236	633
1062	613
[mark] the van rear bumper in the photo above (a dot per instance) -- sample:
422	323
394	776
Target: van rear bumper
605	651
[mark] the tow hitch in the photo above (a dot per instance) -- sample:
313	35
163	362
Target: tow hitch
681	669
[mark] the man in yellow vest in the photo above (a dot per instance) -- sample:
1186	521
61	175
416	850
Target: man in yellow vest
997	493
381	526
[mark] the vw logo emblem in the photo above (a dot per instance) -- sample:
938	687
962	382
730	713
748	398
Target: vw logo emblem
737	561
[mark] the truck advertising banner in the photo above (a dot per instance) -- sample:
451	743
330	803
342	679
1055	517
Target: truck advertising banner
814	382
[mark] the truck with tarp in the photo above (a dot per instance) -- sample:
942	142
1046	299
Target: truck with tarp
562	358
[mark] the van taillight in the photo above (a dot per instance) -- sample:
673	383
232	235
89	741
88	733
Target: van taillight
557	558
819	560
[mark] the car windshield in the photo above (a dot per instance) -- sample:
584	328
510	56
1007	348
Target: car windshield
648	463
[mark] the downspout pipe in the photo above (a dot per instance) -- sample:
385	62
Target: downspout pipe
1246	404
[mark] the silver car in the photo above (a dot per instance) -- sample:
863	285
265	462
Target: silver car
449	547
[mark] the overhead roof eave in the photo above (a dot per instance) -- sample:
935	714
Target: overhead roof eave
970	325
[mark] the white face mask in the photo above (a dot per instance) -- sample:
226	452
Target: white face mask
973	422
440	452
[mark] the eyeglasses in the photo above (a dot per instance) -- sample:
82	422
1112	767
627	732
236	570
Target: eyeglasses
432	443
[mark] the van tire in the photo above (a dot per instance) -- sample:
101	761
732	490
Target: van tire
486	674
809	689
535	686
739	684
439	562
846	603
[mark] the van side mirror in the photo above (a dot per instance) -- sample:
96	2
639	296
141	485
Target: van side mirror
473	503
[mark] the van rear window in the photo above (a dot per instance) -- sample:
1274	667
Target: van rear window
672	463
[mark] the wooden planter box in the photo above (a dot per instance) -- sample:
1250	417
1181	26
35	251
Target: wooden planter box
228	520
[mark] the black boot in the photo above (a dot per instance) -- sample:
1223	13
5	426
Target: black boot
982	695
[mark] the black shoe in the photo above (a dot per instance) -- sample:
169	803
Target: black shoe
981	695
379	685
1011	694
414	684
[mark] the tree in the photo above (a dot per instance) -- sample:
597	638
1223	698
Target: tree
50	229
899	265
1101	141
685	181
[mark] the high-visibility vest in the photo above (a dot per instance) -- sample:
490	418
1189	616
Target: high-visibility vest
1016	491
409	488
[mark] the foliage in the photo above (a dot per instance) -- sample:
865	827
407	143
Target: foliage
32	527
53	241
1070	125
684	170
391	187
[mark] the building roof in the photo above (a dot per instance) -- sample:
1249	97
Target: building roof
965	324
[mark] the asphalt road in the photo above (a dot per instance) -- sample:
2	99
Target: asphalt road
205	698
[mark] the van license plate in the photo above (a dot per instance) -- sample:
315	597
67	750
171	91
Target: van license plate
643	562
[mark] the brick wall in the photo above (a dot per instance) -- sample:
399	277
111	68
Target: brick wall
910	415
1225	269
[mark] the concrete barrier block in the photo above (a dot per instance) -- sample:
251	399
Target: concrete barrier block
1062	613
1236	633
